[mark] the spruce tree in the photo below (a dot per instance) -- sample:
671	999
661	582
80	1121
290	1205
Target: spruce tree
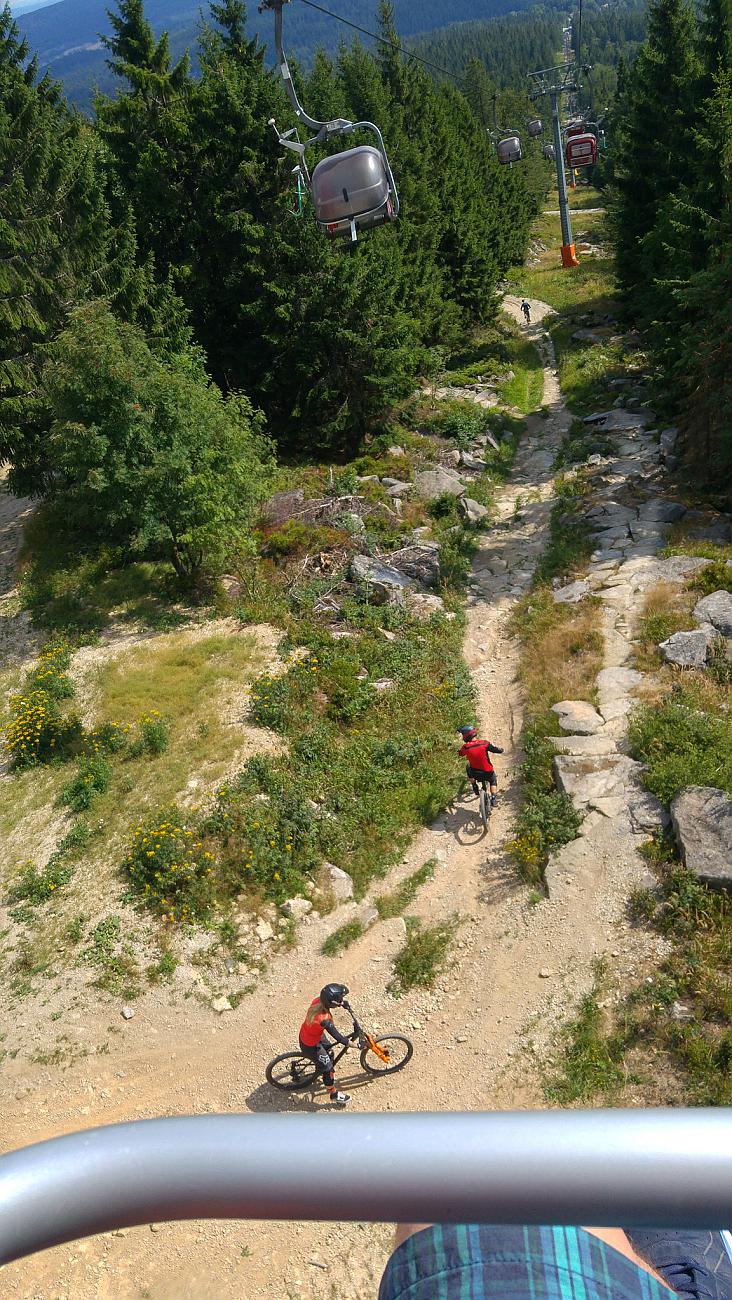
147	131
53	243
655	147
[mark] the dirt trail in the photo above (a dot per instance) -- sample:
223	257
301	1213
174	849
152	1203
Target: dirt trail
519	966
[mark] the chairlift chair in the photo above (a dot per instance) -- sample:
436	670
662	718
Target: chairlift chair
506	140
534	128
509	149
353	190
581	150
548	152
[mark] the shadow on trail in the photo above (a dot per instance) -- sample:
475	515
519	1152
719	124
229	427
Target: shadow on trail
265	1098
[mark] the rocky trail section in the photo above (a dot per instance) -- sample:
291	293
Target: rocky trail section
519	967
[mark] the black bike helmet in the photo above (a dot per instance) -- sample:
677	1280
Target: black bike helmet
333	994
467	733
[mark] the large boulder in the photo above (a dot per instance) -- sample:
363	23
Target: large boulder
702	822
422	605
578	716
572	593
434	483
472	511
283	506
380	583
337	882
687	649
717	610
421	561
586	778
475	464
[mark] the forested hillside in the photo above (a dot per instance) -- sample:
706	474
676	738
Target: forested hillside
672	218
178	250
66	35
609	35
508	48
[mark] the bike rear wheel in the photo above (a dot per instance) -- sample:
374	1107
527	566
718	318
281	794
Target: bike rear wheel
291	1072
398	1051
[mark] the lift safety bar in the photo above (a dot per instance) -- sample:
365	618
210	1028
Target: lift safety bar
626	1168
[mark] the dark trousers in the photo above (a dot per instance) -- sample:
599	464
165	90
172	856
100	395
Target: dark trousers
477	774
321	1057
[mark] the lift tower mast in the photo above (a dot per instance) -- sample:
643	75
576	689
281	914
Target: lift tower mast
556	82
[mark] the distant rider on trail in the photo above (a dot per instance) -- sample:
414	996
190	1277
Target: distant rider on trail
526	309
479	766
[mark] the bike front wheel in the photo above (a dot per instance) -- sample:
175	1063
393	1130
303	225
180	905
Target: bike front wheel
391	1053
291	1072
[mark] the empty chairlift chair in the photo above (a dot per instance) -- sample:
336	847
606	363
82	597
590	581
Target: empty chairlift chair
581	150
534	128
548	152
352	190
509	149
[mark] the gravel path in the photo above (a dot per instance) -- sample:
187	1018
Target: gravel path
520	966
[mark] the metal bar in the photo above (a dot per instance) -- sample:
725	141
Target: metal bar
653	1168
286	75
564	216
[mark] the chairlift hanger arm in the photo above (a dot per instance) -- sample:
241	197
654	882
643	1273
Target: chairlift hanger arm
323	129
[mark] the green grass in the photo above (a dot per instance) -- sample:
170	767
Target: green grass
342	938
669	1059
591	1062
424	955
396	903
524	391
68	587
685	739
570	537
587	287
585	368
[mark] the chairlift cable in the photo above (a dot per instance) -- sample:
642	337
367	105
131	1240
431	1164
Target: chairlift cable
392	45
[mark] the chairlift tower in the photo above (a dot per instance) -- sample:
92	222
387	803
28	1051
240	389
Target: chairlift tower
556	82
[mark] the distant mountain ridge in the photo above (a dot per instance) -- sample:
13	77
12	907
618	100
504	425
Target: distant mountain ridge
66	34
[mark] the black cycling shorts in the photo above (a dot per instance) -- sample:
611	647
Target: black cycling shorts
477	774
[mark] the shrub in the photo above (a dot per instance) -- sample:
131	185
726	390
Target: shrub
92	778
37	733
276	700
297	537
109	737
171	869
716	577
267	842
154	734
35	887
49	674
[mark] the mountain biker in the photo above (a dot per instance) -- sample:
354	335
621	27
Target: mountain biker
526	309
479	766
316	1024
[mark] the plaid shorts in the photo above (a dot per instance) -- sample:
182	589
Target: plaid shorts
477	1261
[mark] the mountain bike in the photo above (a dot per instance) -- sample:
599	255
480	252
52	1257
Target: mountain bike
293	1072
